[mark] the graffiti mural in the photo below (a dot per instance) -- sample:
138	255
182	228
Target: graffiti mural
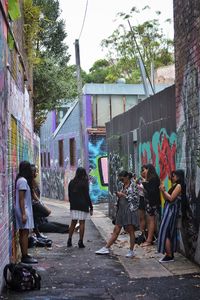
4	244
98	169
53	184
188	131
161	152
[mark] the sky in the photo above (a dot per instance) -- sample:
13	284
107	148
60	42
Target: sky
100	22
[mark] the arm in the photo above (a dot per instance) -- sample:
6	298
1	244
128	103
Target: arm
173	196
22	205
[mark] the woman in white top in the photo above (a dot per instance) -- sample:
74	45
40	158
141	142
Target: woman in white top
23	208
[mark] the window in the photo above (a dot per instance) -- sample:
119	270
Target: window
61	153
72	152
49	161
45	160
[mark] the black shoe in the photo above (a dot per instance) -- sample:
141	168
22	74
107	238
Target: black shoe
166	259
69	242
140	239
80	244
28	260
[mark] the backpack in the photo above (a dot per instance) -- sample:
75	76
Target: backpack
22	277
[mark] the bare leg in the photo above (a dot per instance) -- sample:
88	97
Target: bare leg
72	227
151	228
142	220
115	234
82	229
131	231
168	247
23	240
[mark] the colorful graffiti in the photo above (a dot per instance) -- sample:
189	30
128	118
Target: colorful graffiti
98	169
161	152
4	218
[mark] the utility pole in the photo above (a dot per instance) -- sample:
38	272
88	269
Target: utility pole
80	97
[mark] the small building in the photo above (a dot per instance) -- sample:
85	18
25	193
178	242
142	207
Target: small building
63	146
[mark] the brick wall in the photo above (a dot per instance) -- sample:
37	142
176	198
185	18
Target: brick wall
17	139
187	58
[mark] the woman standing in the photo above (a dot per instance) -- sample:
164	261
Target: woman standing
23	208
80	204
127	213
167	238
151	185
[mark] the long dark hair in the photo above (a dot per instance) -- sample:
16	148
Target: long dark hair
151	171
26	172
81	176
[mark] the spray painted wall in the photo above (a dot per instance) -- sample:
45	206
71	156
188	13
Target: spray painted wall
4	219
98	170
144	134
17	140
187	46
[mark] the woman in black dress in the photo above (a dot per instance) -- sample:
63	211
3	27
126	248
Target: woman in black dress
80	204
151	185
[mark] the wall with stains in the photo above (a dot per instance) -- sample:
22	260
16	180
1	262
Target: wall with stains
4	218
187	54
17	139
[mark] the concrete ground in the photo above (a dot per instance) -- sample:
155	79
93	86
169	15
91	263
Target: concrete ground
73	273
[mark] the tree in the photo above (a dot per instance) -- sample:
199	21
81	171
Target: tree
124	45
98	72
53	79
50	40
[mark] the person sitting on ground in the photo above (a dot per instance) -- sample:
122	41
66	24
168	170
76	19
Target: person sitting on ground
127	214
40	210
167	238
151	183
80	204
23	208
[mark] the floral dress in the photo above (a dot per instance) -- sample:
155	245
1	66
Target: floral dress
127	213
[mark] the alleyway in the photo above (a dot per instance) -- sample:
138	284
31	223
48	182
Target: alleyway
75	274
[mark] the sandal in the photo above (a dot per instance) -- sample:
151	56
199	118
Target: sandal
146	244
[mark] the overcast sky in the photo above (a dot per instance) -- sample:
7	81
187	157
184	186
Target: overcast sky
100	23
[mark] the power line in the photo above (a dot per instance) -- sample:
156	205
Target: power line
84	19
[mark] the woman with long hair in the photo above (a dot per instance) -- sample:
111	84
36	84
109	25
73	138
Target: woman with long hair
127	213
23	208
167	238
151	185
80	204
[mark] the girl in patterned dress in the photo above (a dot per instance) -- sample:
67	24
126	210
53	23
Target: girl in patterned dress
127	213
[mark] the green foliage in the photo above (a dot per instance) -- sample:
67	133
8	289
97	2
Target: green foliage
44	41
50	41
124	45
31	28
52	83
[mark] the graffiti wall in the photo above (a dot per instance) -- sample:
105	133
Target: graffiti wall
4	254
144	134
98	170
53	183
187	45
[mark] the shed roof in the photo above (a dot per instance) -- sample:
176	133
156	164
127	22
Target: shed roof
119	89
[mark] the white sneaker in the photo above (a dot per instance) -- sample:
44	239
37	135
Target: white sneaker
103	250
130	253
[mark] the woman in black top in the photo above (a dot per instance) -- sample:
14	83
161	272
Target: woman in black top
80	204
151	185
